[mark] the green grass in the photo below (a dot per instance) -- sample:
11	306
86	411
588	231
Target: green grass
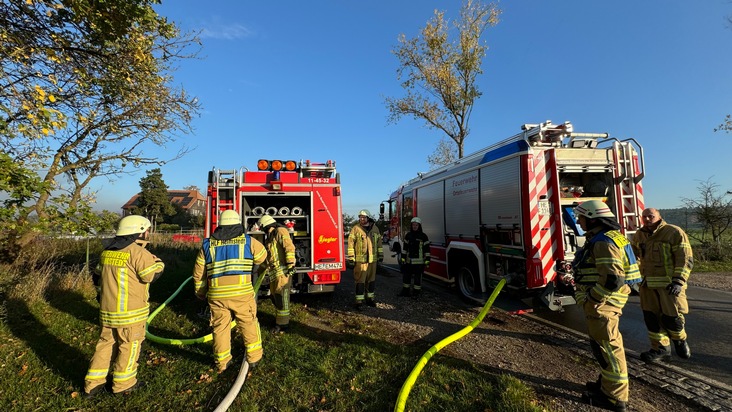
47	341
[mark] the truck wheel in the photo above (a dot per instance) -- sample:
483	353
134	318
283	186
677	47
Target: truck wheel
468	283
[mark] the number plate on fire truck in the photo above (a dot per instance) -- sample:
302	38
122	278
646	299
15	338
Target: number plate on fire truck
544	209
328	266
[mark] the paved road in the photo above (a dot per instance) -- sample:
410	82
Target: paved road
709	326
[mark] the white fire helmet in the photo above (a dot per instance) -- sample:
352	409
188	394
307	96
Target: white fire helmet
592	209
416	220
133	224
364	212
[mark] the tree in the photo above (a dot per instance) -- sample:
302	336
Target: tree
713	210
85	92
440	75
444	154
153	201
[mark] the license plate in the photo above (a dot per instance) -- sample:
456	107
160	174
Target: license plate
328	266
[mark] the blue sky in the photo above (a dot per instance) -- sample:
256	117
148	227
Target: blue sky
307	80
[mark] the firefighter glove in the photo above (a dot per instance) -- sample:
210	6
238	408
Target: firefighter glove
426	264
403	261
674	289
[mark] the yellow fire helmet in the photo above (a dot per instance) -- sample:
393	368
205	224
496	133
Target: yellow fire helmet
230	217
265	221
364	212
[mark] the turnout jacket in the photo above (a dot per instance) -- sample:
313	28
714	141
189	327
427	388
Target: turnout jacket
223	267
416	248
603	267
280	251
125	277
365	246
665	255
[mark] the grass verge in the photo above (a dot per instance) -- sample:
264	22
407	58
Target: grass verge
47	341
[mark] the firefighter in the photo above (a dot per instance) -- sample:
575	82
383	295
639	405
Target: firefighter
123	276
604	268
223	274
415	258
280	268
365	251
666	261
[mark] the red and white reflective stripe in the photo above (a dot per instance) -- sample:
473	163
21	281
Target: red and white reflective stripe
541	171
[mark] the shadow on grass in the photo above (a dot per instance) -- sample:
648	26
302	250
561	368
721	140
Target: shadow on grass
65	360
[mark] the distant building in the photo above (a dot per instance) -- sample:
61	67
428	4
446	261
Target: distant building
192	201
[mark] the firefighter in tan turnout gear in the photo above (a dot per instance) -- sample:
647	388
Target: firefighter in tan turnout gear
365	251
280	268
125	272
666	261
604	268
223	274
415	258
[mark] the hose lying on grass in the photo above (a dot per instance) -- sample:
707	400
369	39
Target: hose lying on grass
407	387
239	382
191	341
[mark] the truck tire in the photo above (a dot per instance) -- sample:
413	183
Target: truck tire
468	283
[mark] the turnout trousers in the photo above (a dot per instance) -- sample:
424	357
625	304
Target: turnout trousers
663	315
607	346
121	346
412	276
365	277
279	288
244	310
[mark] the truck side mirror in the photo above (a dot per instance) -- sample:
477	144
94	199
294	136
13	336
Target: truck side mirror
381	211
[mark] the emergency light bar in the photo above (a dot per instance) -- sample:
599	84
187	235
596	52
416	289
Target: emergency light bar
276	165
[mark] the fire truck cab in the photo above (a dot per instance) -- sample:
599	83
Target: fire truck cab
507	211
305	197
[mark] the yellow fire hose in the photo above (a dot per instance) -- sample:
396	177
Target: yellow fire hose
407	387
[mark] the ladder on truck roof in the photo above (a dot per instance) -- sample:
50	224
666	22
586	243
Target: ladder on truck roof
325	170
224	184
627	177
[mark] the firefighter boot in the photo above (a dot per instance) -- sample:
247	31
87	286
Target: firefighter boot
405	293
682	349
601	400
663	353
594	386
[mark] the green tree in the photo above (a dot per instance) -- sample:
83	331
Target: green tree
85	92
153	201
439	75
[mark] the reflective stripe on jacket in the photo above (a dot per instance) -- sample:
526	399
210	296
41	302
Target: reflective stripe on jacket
664	255
416	248
603	268
365	247
226	266
280	252
125	279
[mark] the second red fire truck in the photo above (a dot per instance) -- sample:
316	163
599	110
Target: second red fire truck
304	196
506	212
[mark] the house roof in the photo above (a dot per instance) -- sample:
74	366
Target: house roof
185	198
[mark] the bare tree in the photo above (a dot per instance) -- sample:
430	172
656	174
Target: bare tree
713	210
439	75
444	154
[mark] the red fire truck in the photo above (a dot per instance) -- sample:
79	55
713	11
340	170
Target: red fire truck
304	196
507	211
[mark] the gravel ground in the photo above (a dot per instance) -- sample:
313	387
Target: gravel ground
555	363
